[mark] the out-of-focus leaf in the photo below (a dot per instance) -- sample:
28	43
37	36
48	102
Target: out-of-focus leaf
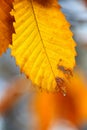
17	89
73	107
6	24
85	2
43	44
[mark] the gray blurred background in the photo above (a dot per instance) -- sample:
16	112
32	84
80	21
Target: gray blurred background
18	118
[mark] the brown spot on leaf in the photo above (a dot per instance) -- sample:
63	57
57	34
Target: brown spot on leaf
67	72
61	86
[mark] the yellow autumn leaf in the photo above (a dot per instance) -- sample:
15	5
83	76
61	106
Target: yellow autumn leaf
43	44
6	24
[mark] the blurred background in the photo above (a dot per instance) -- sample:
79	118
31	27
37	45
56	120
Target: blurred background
19	117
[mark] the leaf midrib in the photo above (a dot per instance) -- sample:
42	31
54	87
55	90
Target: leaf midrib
42	39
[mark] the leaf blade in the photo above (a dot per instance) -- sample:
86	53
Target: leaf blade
42	43
6	24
